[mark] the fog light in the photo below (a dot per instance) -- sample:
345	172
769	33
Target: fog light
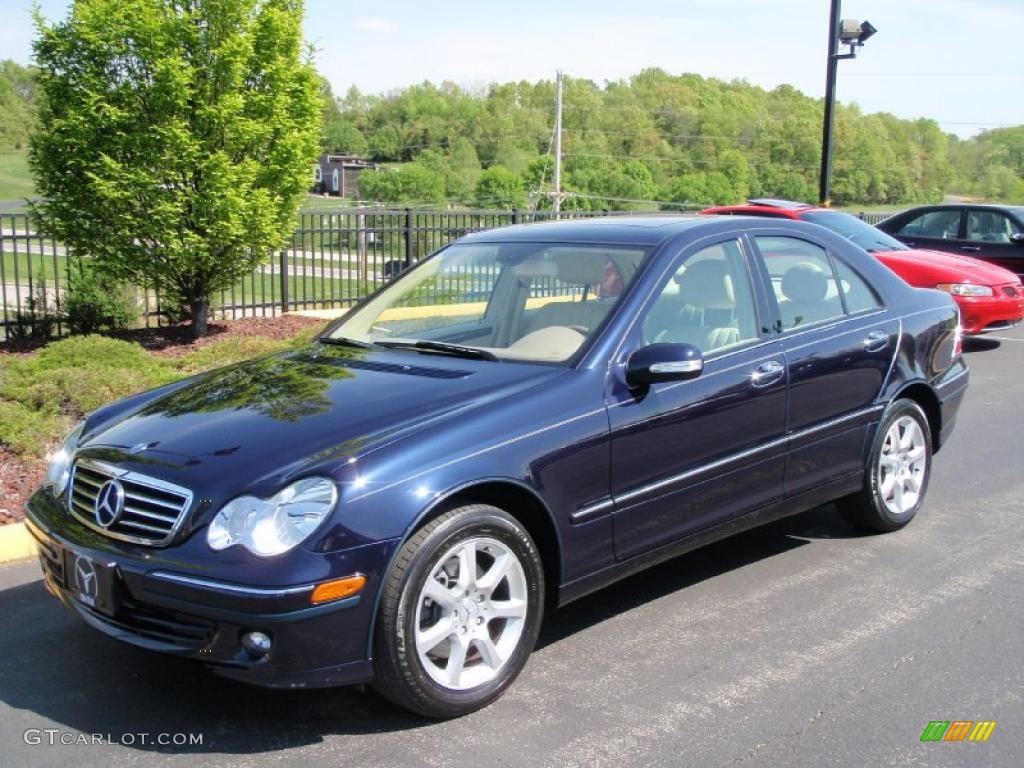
256	643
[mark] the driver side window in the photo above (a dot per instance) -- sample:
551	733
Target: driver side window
708	302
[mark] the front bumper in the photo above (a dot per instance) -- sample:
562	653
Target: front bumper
981	314
147	598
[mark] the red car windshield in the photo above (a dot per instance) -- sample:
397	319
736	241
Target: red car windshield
869	238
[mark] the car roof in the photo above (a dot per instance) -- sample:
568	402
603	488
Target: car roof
626	230
765	206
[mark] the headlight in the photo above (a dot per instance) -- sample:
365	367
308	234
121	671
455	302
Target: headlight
272	526
59	470
965	289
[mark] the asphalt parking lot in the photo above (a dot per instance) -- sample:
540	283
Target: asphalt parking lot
800	644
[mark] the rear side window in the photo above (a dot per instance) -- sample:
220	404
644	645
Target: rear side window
859	296
943	225
804	284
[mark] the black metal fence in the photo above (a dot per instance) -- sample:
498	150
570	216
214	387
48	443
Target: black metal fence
334	259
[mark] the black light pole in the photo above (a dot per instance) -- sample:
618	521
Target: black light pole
824	182
852	34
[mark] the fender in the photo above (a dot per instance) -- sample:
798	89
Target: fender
433	506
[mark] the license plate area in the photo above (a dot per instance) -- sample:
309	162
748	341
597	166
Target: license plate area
92	582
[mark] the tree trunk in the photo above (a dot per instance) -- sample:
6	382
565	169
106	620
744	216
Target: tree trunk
200	315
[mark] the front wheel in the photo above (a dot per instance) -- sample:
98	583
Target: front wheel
896	477
460	612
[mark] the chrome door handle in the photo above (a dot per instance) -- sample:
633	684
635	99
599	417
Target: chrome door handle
971	248
876	340
767	373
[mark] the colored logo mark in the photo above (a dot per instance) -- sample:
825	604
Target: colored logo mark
958	730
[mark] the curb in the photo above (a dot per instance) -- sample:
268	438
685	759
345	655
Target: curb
16	543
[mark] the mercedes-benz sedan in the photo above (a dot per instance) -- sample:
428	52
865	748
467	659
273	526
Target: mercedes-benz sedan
519	420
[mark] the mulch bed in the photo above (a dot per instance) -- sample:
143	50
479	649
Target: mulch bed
19	478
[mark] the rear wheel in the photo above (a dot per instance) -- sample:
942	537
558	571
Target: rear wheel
460	612
896	478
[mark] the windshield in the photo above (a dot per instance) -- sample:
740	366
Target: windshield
534	302
863	234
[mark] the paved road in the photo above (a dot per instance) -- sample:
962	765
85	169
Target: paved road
801	644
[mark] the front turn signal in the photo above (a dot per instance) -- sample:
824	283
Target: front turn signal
337	589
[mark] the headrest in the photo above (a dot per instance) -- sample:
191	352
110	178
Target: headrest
579	269
805	282
706	285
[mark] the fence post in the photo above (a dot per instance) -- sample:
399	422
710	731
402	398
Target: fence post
362	257
284	280
409	234
517	216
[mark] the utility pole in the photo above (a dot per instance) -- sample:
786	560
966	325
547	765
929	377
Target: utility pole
556	204
825	180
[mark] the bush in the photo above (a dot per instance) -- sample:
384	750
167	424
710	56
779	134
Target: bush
79	374
96	304
37	320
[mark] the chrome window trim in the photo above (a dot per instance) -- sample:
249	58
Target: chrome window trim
132	477
234	589
725	460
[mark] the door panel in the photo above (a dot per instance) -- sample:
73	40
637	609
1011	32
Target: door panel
688	455
838	341
836	373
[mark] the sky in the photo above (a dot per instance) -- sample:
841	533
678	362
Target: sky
959	62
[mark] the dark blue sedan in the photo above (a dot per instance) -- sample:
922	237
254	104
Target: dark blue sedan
523	418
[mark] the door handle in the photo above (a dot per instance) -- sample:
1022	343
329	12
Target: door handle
971	248
876	340
767	373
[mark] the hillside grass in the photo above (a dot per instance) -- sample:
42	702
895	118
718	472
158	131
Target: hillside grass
15	179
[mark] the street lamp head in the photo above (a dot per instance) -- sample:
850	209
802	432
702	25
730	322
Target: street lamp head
849	31
866	31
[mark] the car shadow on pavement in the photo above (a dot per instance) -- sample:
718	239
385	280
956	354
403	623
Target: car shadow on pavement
980	344
694	567
78	680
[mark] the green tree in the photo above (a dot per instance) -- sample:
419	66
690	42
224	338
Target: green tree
409	183
176	138
498	187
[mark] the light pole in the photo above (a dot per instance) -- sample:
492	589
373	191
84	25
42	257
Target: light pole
853	34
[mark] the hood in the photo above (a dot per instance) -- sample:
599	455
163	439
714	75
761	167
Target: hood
939	266
256	423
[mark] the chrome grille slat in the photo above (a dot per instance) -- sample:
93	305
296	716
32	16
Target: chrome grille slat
151	515
142	526
150	500
153	511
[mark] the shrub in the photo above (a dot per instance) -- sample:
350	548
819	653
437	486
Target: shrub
96	304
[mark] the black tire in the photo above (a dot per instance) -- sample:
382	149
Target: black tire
400	674
868	509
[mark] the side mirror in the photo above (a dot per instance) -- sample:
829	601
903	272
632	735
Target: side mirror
1017	238
663	362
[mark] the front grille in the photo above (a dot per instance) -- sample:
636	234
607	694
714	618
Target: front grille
153	510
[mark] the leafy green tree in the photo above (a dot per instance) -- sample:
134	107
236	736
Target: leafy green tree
498	187
409	183
17	105
176	138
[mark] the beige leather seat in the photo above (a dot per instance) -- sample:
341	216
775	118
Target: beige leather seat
706	297
805	296
580	271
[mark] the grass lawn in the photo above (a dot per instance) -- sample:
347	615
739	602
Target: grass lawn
15	180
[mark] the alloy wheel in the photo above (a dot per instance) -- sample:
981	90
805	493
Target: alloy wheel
471	613
902	465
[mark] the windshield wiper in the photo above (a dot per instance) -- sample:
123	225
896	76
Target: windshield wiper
473	353
342	341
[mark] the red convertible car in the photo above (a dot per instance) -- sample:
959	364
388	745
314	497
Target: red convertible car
990	298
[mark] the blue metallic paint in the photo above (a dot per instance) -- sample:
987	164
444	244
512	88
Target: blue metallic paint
627	476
